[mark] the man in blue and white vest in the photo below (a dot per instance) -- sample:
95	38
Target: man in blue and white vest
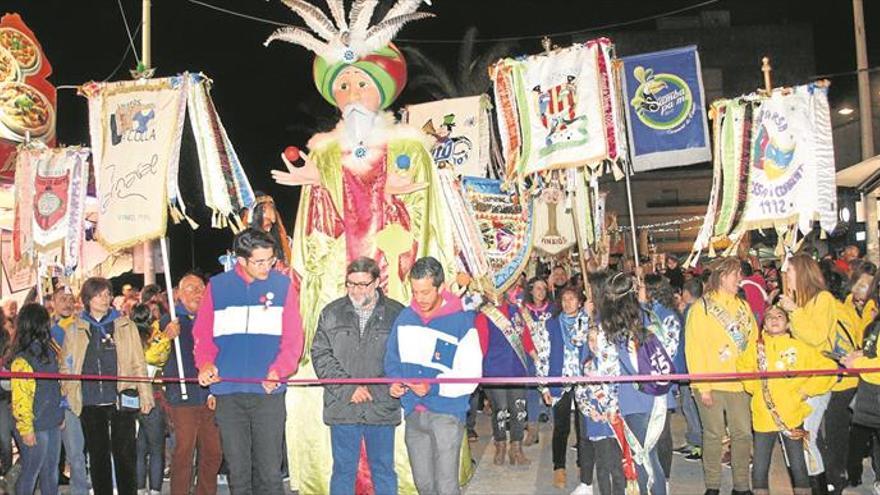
433	338
249	326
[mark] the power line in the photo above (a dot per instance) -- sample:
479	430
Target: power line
238	14
481	40
128	31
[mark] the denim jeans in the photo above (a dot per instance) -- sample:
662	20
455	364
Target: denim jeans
39	462
638	424
473	406
6	426
74	448
812	424
508	412
693	434
609	469
763	452
345	441
433	442
252	435
151	449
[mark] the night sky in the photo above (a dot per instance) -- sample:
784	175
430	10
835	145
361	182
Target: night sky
266	98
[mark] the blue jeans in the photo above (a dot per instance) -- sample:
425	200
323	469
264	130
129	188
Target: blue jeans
638	424
74	447
694	433
345	441
40	462
151	444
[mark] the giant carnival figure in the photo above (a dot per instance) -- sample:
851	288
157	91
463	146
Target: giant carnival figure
367	190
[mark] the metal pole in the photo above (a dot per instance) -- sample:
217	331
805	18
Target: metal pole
867	130
632	218
147	61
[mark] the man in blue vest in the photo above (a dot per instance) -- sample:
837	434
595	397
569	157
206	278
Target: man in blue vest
433	338
193	419
249	326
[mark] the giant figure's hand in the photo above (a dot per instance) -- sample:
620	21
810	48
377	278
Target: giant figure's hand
307	175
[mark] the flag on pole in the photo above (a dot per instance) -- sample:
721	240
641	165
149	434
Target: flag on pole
664	101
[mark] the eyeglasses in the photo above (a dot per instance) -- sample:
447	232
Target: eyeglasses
362	285
264	263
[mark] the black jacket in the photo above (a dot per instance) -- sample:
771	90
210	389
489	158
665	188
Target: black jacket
339	351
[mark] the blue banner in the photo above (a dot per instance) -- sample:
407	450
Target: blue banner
665	109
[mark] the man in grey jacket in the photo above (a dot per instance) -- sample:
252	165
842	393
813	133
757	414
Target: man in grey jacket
350	342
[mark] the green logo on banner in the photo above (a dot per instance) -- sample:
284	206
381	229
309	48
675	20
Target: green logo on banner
662	101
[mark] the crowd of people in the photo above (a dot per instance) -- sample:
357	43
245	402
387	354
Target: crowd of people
732	316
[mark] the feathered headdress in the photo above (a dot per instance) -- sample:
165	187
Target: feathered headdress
344	40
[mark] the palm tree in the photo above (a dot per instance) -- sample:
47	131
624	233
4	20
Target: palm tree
471	76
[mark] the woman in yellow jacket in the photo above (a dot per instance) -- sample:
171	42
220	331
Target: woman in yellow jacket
718	329
36	404
779	405
813	312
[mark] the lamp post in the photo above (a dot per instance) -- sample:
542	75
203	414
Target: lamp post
867	131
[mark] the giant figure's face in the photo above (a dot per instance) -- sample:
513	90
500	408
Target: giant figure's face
354	86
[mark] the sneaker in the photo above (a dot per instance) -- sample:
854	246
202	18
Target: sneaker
876	488
583	489
683	450
221	479
695	455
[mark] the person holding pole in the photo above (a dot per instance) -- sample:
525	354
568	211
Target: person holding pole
248	325
190	413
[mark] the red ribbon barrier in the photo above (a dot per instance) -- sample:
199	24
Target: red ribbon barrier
526	380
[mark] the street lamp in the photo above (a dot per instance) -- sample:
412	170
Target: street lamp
845	111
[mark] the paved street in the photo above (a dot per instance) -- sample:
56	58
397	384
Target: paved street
687	477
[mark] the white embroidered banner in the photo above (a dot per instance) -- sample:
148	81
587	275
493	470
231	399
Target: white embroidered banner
555	110
459	128
59	184
135	129
785	168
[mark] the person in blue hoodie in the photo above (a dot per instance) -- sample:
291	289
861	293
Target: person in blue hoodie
567	336
507	352
191	414
645	338
661	309
104	342
693	449
36	404
433	338
247	326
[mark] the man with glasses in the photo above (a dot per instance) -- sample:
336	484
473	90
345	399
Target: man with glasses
191	413
248	325
350	342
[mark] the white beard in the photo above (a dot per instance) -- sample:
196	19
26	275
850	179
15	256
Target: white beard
358	123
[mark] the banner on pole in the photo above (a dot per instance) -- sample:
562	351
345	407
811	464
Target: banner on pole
505	226
135	130
459	128
773	165
664	101
557	110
